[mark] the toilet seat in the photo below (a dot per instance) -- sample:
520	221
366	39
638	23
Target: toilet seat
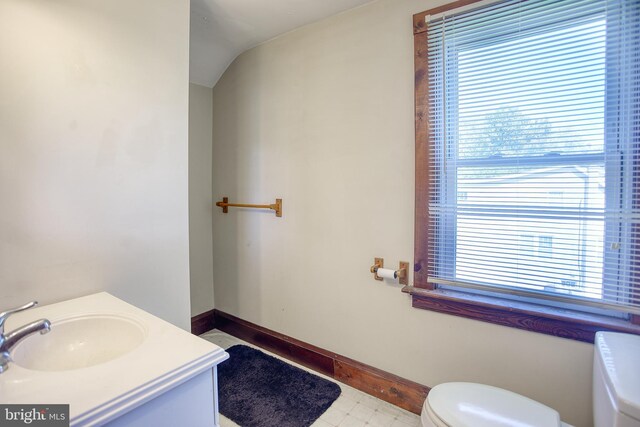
479	405
429	418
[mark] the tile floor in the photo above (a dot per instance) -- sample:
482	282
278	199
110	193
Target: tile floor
352	409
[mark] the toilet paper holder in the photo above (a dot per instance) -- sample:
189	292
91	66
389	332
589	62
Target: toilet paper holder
400	273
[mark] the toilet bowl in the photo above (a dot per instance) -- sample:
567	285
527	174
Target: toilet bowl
479	405
616	395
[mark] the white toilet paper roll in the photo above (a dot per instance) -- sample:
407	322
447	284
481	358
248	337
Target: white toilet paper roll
387	273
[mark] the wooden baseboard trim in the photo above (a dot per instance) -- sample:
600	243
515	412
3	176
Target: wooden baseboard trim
383	385
202	323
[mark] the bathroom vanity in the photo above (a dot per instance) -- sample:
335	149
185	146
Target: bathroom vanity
115	365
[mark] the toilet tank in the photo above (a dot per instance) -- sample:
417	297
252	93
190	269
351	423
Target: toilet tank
616	380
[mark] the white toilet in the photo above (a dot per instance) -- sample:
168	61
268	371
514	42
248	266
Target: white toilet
616	395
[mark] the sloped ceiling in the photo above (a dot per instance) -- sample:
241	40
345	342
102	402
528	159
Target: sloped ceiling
223	29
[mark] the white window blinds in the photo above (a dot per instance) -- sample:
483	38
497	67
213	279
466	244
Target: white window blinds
535	154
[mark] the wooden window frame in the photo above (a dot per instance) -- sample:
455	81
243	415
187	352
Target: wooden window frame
563	323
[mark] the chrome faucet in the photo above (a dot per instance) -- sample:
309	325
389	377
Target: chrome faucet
9	340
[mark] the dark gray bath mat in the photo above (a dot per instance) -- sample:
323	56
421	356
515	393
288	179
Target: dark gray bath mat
257	390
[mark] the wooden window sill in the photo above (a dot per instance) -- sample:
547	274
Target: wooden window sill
530	317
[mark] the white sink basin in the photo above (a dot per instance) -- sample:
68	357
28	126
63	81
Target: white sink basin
79	342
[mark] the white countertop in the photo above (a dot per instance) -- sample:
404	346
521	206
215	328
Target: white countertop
167	357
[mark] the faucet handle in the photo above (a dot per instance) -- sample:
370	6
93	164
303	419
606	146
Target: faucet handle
5	314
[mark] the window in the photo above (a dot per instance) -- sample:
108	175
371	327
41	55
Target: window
528	151
545	245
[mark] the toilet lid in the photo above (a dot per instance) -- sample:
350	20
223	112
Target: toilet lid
478	405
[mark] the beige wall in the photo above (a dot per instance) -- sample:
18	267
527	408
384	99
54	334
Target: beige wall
93	143
323	118
200	199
